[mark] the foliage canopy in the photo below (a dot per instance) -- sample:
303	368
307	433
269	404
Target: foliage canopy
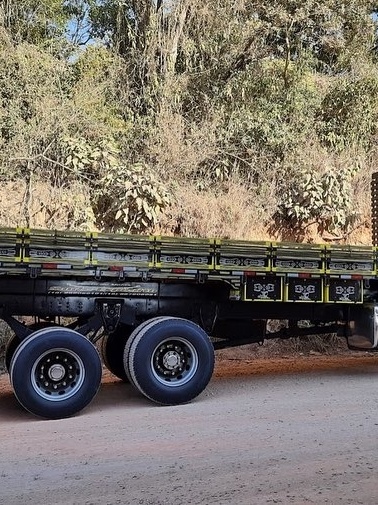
132	101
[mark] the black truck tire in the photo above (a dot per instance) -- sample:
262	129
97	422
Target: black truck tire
170	360
112	350
55	372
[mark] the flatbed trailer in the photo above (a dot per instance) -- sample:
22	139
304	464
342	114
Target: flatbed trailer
158	307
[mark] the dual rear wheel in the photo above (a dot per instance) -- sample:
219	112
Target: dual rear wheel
56	372
169	360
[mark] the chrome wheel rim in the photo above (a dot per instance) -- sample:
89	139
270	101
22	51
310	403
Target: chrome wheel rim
57	374
174	362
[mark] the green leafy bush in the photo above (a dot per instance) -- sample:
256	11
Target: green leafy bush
130	199
325	198
86	159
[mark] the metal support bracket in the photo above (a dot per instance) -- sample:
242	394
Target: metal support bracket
92	325
111	313
20	329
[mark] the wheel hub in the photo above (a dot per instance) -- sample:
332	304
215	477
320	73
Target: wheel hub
56	372
171	360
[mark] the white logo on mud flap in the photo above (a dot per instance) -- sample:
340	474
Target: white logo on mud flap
345	292
263	290
304	291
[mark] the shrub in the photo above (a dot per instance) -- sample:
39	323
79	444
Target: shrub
321	197
130	199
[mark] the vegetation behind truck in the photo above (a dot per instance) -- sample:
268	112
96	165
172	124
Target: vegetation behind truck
161	305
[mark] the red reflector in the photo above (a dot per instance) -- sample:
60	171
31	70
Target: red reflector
249	274
50	265
178	270
115	268
304	276
356	277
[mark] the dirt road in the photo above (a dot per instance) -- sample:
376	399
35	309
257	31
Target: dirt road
299	430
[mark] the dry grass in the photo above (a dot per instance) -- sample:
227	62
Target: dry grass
228	213
178	151
42	205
